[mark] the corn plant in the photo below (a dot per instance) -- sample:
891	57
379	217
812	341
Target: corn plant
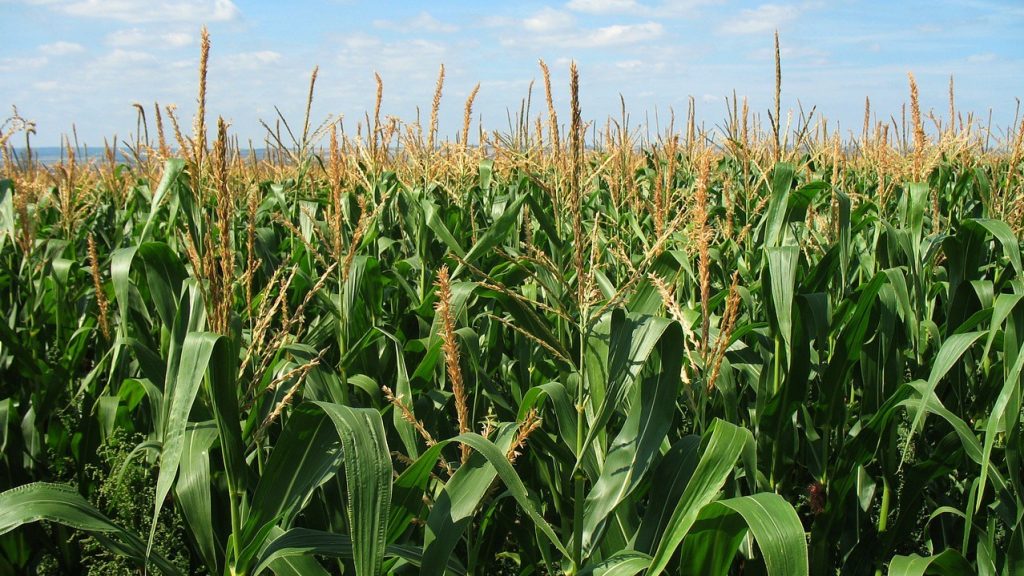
639	355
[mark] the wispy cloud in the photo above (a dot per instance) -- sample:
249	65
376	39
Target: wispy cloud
121	57
414	56
764	18
549	20
985	58
93	57
630	65
663	9
61	48
47	85
619	34
138	37
22	64
422	22
250	60
602	6
140	11
806	55
551	27
670	8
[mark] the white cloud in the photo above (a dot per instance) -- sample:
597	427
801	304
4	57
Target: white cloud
127	37
551	27
674	8
497	22
602	6
22	64
138	37
625	71
251	60
47	85
517	86
122	57
663	9
549	20
177	39
139	11
265	56
764	18
981	58
554	28
799	55
422	22
415	57
620	34
60	48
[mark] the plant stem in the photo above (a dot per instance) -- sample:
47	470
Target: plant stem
776	384
581	413
883	514
577	523
236	527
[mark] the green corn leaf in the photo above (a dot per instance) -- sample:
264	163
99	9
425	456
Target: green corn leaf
454	508
192	490
402	391
368	479
305	455
222	393
317	438
299	564
1007	239
6	212
782	268
999	413
633	450
173	168
408	490
304	542
195	360
496	233
623	563
845	235
725	444
782	183
434	222
946	563
670	479
633	338
63	505
565	410
120	270
6	408
461	293
714	538
950	352
165	275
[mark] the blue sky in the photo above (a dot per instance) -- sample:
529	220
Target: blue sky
85	62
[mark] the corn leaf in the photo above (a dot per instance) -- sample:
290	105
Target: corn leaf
60	504
712	542
948	562
725	444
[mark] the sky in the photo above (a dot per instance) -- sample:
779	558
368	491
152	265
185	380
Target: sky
83	63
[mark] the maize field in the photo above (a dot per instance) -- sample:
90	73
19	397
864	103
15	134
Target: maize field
575	347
